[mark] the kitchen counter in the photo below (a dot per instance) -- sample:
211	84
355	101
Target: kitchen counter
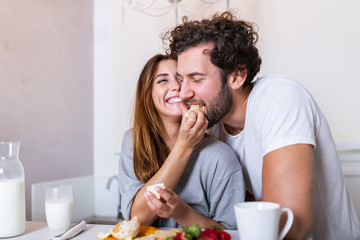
40	231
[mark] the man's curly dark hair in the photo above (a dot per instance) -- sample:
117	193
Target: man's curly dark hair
234	42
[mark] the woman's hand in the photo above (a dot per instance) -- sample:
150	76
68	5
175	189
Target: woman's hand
192	128
169	206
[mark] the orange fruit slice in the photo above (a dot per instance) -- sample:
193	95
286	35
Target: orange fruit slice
117	227
126	229
146	230
105	236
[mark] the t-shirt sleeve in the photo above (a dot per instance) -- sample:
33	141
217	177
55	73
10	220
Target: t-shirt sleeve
231	190
227	187
128	183
285	115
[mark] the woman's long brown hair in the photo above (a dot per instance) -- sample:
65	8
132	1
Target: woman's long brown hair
150	150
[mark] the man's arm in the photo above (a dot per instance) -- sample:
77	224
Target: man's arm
288	179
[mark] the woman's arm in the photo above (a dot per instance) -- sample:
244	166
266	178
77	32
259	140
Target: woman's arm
214	184
171	206
192	130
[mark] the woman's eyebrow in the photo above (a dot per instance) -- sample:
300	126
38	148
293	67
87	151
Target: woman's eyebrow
162	75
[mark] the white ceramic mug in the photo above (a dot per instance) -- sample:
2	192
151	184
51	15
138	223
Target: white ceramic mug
260	220
58	207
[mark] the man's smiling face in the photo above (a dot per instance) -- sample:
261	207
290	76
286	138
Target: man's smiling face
201	83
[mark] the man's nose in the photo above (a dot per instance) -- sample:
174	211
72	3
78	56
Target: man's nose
186	92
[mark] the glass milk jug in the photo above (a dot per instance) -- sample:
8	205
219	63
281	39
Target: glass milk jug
12	191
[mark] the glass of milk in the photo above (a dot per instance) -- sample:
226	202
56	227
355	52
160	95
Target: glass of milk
58	207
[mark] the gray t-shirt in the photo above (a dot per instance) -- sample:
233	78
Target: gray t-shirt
211	184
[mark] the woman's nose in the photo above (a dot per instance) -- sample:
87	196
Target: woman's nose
175	86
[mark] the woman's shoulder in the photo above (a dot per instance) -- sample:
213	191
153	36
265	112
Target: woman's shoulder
128	140
216	156
213	144
217	149
129	134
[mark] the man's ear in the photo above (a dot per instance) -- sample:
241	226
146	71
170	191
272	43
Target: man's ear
237	78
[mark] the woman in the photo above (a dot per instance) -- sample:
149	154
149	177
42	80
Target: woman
203	177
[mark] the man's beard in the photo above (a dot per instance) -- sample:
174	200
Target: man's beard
220	106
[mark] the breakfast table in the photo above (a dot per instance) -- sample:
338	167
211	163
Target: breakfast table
40	231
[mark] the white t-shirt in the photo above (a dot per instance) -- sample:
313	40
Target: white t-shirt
280	112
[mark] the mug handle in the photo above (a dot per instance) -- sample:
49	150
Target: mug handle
289	222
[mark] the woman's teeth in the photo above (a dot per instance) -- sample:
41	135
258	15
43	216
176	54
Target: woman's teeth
174	100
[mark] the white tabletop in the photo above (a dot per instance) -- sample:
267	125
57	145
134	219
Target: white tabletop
40	231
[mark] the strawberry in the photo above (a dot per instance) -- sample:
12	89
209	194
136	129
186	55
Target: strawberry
210	234
193	232
224	235
180	236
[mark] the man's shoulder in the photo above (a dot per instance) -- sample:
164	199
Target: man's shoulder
273	89
277	81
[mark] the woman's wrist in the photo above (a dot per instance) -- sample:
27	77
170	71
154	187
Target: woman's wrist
183	146
183	212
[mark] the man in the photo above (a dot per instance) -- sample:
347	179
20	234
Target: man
273	124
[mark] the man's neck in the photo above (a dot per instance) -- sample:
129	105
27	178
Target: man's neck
234	121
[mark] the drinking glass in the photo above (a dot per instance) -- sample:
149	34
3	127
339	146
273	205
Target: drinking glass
58	207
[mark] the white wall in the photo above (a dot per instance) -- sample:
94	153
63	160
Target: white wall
46	97
104	161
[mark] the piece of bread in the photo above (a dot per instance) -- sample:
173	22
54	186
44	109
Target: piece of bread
153	190
195	109
163	234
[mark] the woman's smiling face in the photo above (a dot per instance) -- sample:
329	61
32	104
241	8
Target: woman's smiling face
166	89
